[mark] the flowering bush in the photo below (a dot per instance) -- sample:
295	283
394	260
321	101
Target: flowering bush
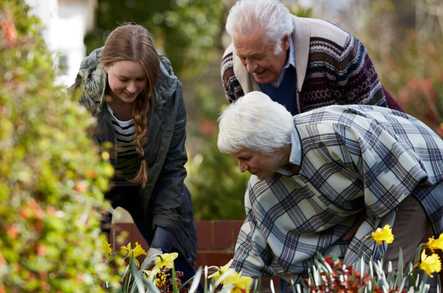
52	176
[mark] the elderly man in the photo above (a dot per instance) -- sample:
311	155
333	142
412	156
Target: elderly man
325	179
301	63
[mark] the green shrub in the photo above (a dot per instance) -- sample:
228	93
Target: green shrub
216	184
51	175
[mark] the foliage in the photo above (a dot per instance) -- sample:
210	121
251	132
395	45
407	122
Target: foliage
299	10
51	175
216	184
187	30
405	43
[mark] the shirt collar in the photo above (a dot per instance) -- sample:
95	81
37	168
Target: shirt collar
295	155
289	62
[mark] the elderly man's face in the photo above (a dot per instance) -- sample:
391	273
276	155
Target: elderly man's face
257	54
263	165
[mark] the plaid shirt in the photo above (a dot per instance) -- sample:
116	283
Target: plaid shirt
359	162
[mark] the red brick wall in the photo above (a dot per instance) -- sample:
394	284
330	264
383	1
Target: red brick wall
215	239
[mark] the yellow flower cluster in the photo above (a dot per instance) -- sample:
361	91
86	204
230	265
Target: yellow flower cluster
435	244
135	252
163	261
239	283
383	235
166	260
429	263
126	250
107	248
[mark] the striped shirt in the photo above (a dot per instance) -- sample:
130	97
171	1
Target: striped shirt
357	162
126	162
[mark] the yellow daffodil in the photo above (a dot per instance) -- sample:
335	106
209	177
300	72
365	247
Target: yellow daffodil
107	248
383	235
240	283
435	244
138	250
430	263
220	272
125	250
166	260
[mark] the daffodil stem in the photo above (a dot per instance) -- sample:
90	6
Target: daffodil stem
174	281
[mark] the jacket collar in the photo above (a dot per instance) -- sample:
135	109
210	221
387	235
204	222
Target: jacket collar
301	38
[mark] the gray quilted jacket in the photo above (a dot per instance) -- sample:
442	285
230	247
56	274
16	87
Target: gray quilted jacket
165	201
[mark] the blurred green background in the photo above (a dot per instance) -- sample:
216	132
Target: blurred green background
48	179
404	39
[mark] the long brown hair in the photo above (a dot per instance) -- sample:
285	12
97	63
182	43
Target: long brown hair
132	42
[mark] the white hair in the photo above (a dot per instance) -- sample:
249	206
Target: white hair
271	16
254	122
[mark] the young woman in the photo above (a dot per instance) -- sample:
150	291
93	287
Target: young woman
138	103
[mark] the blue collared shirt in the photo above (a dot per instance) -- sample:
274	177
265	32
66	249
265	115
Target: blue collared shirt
289	62
295	155
284	89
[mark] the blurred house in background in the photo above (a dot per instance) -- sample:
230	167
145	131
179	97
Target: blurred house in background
65	24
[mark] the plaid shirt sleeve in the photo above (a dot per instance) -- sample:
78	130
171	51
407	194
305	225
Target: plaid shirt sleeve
252	255
389	168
